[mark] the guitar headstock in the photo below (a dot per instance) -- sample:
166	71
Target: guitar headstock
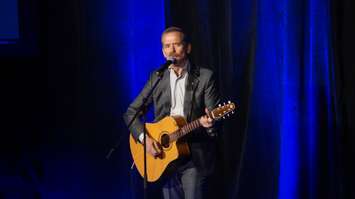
223	110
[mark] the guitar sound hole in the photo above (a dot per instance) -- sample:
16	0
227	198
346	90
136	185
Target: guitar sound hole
165	140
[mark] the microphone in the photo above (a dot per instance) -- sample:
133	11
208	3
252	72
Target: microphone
169	61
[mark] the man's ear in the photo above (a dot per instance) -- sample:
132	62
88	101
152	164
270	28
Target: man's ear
188	50
162	49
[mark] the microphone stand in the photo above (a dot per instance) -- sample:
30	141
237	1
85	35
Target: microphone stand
140	111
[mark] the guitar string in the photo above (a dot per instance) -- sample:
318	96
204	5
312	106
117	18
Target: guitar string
184	130
190	127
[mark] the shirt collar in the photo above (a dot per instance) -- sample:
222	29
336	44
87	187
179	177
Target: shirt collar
184	68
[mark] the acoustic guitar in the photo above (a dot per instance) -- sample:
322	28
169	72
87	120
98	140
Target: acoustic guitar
167	133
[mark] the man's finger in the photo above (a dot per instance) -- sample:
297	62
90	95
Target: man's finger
156	147
208	113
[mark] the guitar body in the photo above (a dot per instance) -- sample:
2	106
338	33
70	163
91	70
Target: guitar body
175	149
167	133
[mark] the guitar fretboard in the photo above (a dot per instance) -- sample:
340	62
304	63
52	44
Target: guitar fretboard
184	130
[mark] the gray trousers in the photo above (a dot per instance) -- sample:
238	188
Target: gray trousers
186	183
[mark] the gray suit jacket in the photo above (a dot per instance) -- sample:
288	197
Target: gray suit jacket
201	91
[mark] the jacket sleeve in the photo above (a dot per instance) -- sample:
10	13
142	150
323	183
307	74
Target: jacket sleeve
137	126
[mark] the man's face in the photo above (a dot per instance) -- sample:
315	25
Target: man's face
173	46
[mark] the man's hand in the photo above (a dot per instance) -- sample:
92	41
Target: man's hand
206	121
153	147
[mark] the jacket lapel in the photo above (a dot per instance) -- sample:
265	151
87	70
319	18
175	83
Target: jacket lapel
165	88
191	85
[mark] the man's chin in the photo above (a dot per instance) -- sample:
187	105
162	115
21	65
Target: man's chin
180	60
178	63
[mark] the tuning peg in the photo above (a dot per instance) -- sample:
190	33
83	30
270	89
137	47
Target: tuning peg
219	105
227	115
232	112
224	117
229	102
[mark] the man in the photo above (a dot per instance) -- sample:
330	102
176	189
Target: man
190	91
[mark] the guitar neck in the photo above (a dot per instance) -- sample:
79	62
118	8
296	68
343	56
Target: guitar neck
215	114
185	130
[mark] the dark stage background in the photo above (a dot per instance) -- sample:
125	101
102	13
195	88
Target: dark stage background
77	64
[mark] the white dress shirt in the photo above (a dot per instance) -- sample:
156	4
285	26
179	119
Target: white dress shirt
177	89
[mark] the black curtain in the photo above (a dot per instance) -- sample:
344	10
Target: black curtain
63	111
224	37
344	42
